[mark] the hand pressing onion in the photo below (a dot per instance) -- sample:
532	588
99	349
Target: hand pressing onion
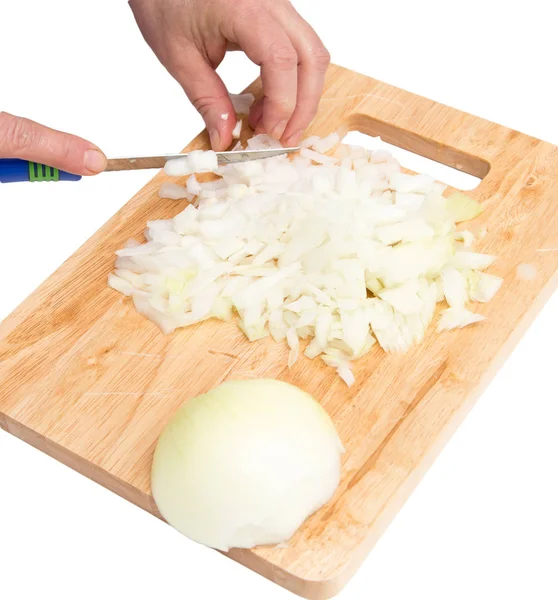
246	464
191	37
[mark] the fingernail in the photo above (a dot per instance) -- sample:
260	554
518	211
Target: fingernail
95	161
294	138
214	138
279	129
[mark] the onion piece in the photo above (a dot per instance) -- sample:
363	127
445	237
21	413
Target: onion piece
309	142
237	129
486	287
472	260
455	287
242	103
317	157
196	161
174	191
401	182
453	318
326	144
193	186
294	345
263	142
526	272
462	208
467	237
403	298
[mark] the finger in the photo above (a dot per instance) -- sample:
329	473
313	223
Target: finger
265	42
25	139
256	113
313	61
208	94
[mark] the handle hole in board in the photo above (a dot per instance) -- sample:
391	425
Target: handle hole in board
448	165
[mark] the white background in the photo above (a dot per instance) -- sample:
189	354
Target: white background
483	523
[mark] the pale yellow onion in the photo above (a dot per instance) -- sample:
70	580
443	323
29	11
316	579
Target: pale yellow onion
462	207
246	464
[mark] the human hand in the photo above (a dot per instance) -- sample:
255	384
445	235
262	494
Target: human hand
191	37
25	139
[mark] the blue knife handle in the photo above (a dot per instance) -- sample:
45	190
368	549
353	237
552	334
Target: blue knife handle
14	170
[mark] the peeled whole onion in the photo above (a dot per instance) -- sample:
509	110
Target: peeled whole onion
245	464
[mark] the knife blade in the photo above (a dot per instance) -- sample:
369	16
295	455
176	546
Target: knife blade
131	163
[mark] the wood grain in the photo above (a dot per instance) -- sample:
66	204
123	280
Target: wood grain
92	383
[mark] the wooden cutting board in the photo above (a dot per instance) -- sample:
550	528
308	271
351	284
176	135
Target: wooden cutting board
92	383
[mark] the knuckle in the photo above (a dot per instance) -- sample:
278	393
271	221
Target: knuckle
320	57
246	9
305	115
280	105
204	104
282	56
283	106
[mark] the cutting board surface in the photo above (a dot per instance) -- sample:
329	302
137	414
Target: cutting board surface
89	381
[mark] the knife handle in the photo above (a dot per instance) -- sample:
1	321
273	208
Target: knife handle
14	170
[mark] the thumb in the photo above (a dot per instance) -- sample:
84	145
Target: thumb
207	92
25	139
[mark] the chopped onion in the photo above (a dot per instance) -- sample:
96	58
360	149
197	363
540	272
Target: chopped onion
472	260
404	298
196	161
465	236
455	287
409	200
317	157
327	254
453	318
242	103
174	191
326	144
245	464
309	142
486	287
420	184
263	142
193	186
526	272
462	208
237	129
